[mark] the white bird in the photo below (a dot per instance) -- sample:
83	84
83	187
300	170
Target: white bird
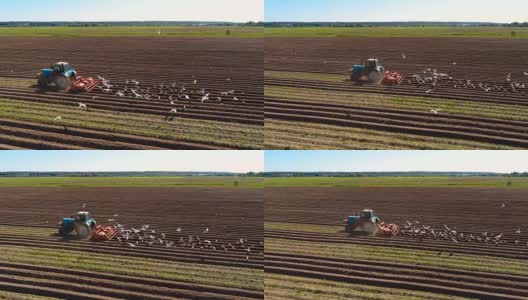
206	230
235	98
120	94
404	56
174	110
525	73
503	205
84	205
83	106
429	91
205	98
508	77
518	231
159	32
436	111
454	63
195	81
178	229
58	118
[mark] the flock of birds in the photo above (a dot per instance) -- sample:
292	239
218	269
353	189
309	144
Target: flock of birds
450	233
181	96
434	80
146	236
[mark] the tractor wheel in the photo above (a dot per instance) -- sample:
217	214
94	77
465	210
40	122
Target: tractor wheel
83	231
375	76
61	230
63	83
350	228
42	83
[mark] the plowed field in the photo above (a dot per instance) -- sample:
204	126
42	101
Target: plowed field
306	86
305	241
149	78
224	260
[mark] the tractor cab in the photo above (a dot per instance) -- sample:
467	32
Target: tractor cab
62	67
372	63
82	216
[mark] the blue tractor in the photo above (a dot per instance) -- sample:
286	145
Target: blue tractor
61	75
371	72
82	224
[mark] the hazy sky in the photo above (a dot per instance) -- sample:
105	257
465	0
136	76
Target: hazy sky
396	10
132	10
220	161
380	161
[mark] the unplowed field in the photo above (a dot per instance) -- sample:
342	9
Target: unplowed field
305	239
307	76
155	77
223	261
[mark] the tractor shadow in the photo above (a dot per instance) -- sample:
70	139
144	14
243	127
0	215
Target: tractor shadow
355	234
51	89
67	238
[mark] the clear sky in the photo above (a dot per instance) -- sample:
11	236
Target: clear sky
132	10
382	161
219	161
396	10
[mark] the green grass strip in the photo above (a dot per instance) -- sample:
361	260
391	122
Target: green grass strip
220	133
419	104
415	182
280	287
17	296
135	31
191	181
183	272
286	135
419	32
396	255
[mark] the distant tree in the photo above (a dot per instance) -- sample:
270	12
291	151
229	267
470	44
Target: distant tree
235	183
228	32
509	183
513	34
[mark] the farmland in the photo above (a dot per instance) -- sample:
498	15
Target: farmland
134	31
311	103
308	253
204	254
395	31
161	92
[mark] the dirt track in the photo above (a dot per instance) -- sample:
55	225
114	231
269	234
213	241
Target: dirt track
162	67
433	207
230	214
485	62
